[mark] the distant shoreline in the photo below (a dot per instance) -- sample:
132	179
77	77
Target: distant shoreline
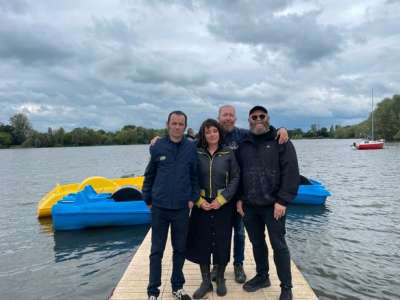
78	146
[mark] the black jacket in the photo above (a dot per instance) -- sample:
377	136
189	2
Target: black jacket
218	174
171	179
269	171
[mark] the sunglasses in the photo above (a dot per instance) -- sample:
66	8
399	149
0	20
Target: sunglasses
259	117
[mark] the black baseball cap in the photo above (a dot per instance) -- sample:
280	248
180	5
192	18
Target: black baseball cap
258	107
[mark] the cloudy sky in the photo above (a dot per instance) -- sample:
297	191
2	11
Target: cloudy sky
105	64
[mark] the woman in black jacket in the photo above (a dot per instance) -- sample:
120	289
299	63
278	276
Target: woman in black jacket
210	225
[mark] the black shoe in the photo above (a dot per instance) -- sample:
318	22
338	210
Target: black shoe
256	283
206	285
214	272
220	280
240	275
286	294
152	297
181	295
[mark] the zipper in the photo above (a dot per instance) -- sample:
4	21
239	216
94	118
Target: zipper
211	162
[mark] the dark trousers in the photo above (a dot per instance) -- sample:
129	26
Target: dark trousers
255	220
238	239
161	220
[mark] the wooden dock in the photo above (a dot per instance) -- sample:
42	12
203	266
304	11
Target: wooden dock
133	284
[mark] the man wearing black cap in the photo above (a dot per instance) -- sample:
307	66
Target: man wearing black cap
269	181
233	136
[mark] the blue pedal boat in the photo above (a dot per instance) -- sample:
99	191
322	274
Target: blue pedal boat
89	209
311	192
126	206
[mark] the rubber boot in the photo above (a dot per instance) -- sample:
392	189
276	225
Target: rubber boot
214	272
206	285
221	287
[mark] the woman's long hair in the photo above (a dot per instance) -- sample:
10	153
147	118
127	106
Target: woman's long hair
202	143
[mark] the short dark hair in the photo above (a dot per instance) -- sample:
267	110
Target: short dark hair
179	113
202	143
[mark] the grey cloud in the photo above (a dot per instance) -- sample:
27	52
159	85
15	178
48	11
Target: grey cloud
231	5
114	29
163	75
114	67
146	66
30	43
300	36
392	2
14	6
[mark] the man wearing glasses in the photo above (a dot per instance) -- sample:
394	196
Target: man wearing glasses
269	181
233	136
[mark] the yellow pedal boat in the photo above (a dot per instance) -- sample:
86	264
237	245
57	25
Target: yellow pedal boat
100	184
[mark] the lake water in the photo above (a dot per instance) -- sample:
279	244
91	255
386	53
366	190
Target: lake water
348	249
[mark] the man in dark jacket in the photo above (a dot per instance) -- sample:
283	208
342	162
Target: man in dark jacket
233	136
170	188
269	181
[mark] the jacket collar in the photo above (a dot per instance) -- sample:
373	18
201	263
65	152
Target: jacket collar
181	142
268	136
205	151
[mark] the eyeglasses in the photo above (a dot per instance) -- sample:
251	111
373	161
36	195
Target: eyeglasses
259	117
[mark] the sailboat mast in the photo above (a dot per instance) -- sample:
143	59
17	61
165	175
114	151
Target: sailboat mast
372	115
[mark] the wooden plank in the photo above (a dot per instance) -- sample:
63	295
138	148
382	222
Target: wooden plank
133	284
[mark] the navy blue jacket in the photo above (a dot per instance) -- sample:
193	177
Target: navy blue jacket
233	138
171	178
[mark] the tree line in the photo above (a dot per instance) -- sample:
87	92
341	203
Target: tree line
386	125
19	131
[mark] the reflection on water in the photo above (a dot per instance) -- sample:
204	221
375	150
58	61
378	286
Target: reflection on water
313	218
300	213
46	225
76	244
110	241
89	259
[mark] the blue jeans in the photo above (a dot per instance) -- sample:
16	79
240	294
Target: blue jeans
161	220
238	239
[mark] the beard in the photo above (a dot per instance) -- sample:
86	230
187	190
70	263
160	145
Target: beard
258	130
227	127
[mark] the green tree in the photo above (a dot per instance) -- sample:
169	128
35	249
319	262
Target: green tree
36	139
126	136
397	136
59	136
5	139
332	131
296	133
323	132
387	118
21	128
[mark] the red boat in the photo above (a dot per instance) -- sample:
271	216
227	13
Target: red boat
369	145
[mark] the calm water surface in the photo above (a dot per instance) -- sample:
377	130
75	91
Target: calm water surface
348	249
